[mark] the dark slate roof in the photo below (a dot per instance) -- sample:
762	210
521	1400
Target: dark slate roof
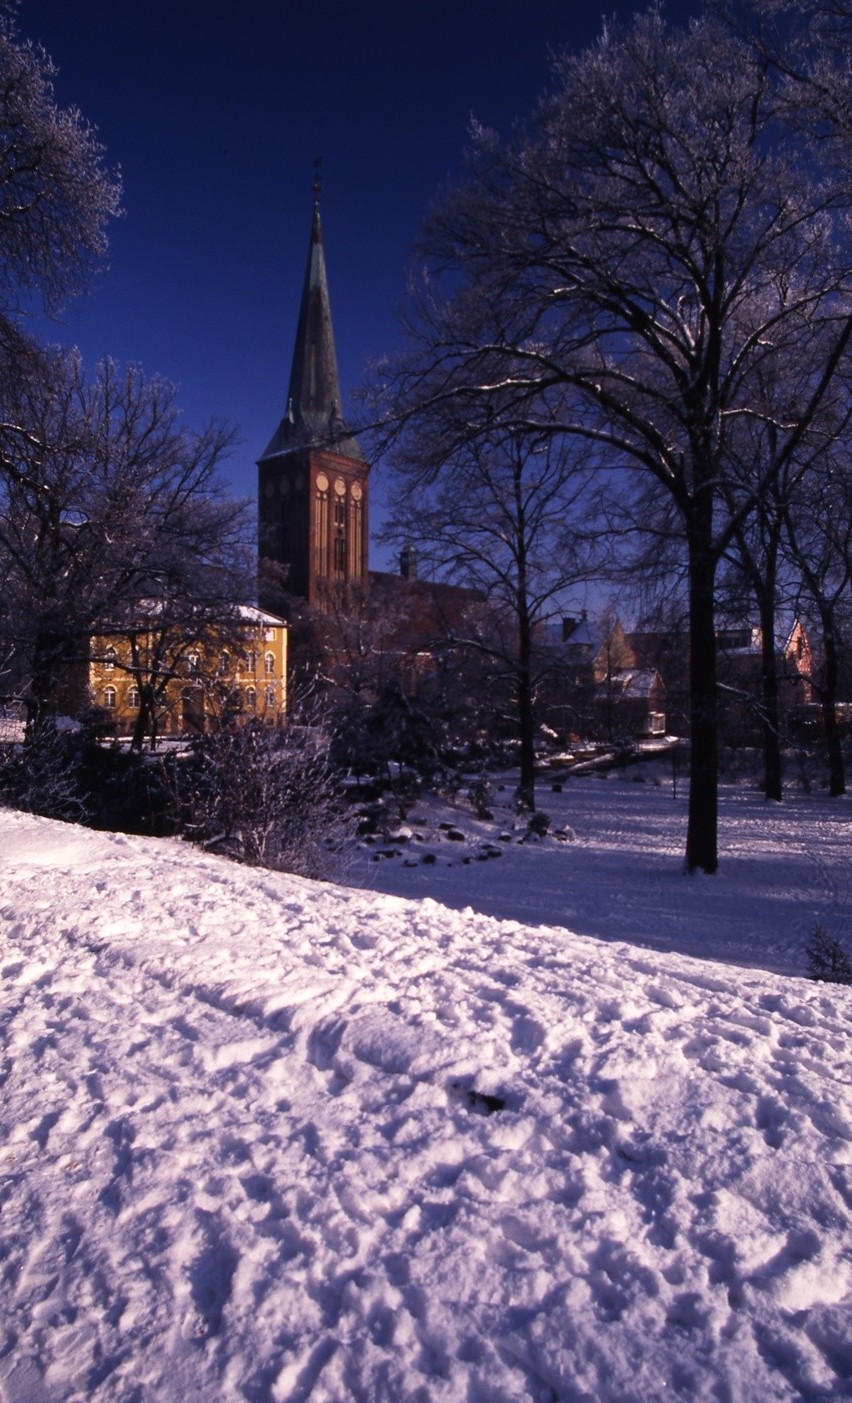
313	417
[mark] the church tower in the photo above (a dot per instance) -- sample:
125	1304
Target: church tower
312	478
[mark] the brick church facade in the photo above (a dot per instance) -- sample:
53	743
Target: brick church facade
313	479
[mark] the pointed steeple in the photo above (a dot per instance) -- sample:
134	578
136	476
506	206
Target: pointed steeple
313	485
313	415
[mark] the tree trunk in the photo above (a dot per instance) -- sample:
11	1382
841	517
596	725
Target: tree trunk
143	718
769	701
526	716
702	835
834	748
41	697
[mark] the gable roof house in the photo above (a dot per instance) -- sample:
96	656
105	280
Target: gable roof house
740	665
604	684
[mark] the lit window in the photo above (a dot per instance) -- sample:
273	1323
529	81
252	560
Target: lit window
269	664
109	698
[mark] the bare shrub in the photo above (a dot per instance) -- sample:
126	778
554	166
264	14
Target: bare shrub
269	798
43	775
827	959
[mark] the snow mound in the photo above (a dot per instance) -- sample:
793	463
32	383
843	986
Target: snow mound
262	1138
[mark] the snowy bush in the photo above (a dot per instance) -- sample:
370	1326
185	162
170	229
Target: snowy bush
827	960
270	798
481	796
43	775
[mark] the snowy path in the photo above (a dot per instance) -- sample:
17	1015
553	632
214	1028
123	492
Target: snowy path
264	1139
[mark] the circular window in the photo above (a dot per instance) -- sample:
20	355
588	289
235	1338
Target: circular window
340	487
299	484
270	489
322	482
284	486
357	491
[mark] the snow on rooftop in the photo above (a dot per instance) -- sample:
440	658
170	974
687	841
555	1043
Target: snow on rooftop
262	1138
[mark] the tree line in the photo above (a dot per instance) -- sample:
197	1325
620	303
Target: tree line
650	286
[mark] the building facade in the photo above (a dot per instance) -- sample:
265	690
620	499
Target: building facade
160	680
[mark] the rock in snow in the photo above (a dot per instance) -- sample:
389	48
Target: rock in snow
262	1138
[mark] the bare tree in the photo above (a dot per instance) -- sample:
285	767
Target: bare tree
622	273
754	557
55	195
807	44
496	519
56	199
106	501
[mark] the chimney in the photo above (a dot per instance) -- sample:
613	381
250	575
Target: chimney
408	562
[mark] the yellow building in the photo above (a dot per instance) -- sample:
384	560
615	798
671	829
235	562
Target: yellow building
163	679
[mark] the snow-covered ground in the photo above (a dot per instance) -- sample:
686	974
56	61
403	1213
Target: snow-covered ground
784	867
262	1138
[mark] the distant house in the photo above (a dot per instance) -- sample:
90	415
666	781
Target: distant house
604	682
666	652
739	664
162	679
631	701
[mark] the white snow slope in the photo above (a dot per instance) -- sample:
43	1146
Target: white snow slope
262	1138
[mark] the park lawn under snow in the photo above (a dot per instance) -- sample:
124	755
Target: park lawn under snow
262	1138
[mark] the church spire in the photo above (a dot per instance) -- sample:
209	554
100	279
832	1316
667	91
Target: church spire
313	414
313	479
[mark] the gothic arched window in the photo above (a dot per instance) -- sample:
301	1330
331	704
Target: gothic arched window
356	531
339	528
321	526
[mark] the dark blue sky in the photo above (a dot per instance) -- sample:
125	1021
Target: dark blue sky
215	115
